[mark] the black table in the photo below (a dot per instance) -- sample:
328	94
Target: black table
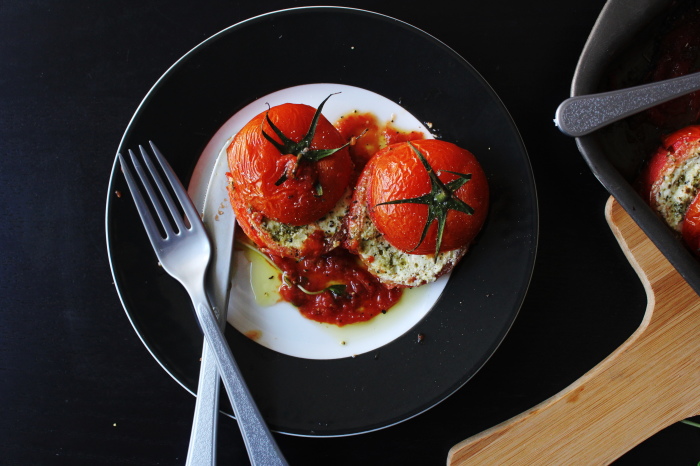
78	387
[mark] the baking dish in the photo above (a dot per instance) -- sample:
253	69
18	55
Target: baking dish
614	56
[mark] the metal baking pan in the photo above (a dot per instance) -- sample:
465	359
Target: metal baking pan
617	50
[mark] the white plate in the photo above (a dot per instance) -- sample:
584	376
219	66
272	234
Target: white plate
281	327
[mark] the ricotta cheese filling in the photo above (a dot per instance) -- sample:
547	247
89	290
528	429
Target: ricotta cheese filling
394	265
295	236
677	190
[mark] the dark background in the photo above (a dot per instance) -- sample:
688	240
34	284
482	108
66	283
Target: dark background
76	384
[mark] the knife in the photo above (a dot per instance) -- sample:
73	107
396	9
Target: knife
220	223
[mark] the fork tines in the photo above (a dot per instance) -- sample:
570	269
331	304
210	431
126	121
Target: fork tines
173	220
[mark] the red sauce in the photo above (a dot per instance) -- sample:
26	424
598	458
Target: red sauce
254	334
371	136
360	297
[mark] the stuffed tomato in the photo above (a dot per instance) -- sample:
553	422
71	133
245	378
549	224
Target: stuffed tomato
416	209
290	180
670	183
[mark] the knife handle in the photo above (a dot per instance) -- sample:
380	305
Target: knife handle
202	447
261	446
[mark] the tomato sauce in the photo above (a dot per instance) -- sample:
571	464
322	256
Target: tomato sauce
370	135
334	288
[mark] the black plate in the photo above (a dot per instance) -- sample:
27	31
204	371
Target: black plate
359	48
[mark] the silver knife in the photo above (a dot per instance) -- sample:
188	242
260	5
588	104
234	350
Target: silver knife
220	223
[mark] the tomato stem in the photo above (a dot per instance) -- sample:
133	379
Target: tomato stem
337	290
302	148
440	200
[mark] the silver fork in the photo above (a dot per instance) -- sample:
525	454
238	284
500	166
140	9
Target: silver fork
184	251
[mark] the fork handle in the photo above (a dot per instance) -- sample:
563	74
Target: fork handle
261	446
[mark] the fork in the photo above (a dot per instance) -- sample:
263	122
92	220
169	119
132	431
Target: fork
183	249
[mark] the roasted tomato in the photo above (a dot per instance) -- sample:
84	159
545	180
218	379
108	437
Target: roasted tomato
674	150
427	196
290	164
670	183
690	228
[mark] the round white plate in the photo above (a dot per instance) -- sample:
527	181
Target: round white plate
281	327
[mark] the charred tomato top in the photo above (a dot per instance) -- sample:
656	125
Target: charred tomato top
290	163
427	196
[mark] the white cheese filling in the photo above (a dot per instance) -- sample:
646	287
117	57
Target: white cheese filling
677	190
394	265
295	236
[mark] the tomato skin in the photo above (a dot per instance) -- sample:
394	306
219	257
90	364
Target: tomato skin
257	167
690	227
652	173
396	173
681	141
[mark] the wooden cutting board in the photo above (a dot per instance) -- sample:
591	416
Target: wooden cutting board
650	382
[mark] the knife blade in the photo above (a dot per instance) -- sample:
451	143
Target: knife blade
219	220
